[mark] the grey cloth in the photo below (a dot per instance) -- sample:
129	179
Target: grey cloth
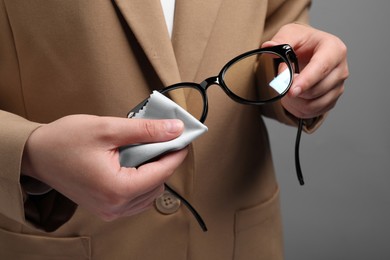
159	106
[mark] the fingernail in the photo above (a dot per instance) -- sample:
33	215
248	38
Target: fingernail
296	91
174	126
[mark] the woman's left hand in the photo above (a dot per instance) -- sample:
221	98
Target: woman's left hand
323	62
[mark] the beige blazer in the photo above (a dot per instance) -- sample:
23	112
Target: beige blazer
103	57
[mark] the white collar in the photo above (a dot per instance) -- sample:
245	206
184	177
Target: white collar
168	7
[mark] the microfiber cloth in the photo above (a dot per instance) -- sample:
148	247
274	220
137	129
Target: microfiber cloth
159	106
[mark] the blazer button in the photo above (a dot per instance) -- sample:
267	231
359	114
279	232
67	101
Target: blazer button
167	203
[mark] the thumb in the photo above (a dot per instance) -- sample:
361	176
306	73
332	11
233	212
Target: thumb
135	131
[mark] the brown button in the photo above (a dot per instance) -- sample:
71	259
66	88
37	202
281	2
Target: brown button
167	203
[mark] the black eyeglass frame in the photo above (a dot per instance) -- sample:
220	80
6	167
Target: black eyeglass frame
285	54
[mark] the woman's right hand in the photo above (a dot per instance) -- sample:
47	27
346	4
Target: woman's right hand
78	156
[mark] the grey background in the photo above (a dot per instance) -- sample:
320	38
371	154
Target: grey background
343	211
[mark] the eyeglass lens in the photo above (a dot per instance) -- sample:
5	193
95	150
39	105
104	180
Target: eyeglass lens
267	75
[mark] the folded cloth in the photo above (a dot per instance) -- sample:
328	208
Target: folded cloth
159	106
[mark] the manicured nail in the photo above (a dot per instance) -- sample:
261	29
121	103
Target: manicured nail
296	91
174	126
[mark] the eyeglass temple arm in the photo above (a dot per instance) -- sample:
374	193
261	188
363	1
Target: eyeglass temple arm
297	160
197	216
292	56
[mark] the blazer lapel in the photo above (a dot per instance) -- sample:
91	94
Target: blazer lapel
147	22
193	18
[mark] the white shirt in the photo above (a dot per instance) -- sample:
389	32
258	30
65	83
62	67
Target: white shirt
168	7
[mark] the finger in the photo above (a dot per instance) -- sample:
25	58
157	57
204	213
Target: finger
136	204
315	71
123	131
146	198
143	202
328	55
270	44
334	80
318	52
309	108
153	174
128	204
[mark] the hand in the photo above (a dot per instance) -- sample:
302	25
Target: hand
78	156
323	62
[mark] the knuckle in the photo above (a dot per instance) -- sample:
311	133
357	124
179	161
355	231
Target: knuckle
345	74
324	68
342	48
104	129
150	128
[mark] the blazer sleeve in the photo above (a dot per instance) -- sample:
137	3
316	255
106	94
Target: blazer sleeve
14	132
47	211
290	11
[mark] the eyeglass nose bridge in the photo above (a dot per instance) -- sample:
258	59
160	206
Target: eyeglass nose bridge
205	84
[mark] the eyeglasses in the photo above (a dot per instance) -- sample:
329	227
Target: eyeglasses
234	78
279	64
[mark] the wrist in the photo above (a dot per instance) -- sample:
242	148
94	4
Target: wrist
30	184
